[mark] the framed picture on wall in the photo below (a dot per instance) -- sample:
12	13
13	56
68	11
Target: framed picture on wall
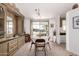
76	22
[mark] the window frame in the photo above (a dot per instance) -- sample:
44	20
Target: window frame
7	25
38	21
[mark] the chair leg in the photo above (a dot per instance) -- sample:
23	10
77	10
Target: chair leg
44	51
49	46
31	47
35	50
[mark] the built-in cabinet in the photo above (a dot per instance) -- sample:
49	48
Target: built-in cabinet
11	29
10	47
20	41
62	30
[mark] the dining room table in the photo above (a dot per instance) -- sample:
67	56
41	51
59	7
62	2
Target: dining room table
46	38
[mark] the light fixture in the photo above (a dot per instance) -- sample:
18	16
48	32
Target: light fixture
37	10
37	14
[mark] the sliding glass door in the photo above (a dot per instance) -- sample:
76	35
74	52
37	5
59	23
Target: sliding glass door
39	28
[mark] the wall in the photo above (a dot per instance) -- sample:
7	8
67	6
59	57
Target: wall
72	37
27	25
51	29
57	22
54	20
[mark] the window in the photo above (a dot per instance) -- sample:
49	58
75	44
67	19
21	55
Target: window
9	25
39	28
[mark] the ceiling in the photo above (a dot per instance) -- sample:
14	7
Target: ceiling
46	9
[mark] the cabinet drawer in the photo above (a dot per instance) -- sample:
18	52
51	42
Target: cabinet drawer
5	48
12	47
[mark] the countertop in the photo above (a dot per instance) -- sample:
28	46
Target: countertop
3	40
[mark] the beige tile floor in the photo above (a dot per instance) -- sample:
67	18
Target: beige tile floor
54	50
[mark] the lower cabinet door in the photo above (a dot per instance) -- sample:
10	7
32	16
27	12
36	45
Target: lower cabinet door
12	46
0	49
5	49
21	41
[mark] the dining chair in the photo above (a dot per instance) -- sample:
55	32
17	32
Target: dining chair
40	43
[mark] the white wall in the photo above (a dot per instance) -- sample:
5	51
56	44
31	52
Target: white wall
27	25
51	29
58	29
55	20
72	35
